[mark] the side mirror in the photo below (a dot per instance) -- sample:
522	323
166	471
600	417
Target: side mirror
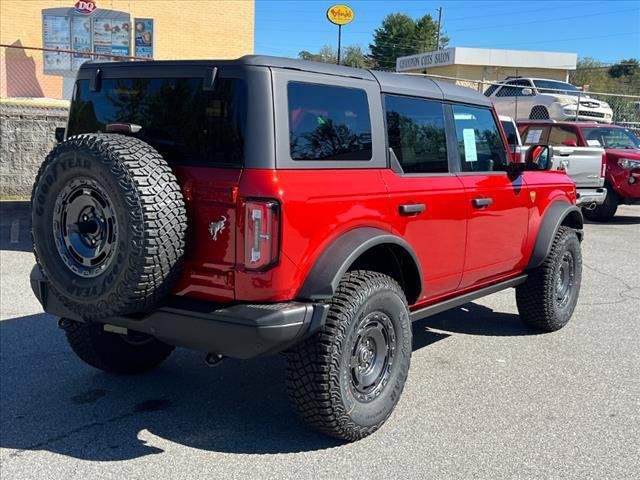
527	92
570	143
538	157
60	131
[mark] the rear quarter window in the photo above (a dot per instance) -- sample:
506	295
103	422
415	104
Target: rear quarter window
185	123
328	122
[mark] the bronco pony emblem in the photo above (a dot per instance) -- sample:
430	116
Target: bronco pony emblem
217	227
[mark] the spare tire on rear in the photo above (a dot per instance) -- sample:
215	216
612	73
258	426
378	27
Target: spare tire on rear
109	225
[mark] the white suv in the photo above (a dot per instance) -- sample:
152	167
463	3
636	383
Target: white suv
542	99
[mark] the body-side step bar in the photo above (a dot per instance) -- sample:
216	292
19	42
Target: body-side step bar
466	298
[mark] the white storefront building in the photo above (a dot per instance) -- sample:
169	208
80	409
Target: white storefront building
489	65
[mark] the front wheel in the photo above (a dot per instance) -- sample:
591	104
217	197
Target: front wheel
346	379
547	298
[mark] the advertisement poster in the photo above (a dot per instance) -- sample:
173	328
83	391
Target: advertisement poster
80	40
56	35
102	37
120	38
143	37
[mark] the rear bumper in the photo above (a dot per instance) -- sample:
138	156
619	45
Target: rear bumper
588	196
237	331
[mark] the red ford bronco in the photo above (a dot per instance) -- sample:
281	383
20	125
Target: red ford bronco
243	208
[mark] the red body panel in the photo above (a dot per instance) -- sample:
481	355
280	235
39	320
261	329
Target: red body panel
497	234
210	196
317	207
618	177
459	248
437	235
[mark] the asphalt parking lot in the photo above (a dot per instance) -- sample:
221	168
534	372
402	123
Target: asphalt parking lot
486	397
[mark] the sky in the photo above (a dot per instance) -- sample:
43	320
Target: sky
607	31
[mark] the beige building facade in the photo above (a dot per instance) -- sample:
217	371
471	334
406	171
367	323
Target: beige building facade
489	65
159	29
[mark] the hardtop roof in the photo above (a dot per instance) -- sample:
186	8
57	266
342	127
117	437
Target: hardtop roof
390	82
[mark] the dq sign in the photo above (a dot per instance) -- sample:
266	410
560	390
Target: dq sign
85	7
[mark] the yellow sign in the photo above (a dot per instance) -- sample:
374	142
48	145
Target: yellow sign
340	14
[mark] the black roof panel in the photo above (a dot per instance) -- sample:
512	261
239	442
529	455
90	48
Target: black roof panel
414	85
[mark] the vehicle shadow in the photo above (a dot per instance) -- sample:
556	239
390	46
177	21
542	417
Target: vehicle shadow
15	226
50	400
476	319
617	220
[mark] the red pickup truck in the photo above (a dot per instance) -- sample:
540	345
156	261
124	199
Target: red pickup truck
622	150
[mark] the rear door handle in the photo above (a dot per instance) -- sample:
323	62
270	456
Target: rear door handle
481	202
412	208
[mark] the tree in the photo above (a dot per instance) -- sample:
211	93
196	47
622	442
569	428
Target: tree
351	56
400	35
625	68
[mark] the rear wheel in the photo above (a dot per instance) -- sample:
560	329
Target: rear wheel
346	380
112	352
606	211
547	298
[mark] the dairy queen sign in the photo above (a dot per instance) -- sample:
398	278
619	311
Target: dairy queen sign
84	7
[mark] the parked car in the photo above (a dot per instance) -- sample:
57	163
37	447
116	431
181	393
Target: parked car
540	99
622	157
584	165
262	205
513	138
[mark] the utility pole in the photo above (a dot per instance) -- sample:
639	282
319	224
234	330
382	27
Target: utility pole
439	23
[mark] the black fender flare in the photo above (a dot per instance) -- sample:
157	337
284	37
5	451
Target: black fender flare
324	277
553	217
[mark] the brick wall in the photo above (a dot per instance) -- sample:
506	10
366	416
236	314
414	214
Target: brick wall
26	136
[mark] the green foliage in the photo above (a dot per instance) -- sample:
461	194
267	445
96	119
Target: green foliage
623	77
401	35
351	56
626	68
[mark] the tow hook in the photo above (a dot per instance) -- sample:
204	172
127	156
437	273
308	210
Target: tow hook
213	359
64	323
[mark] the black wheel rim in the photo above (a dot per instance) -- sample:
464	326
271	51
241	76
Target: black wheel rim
85	227
565	279
372	356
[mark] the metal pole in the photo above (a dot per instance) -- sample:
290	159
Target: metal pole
578	106
439	23
339	41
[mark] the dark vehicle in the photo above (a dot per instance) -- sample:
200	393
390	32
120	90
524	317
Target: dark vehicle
243	208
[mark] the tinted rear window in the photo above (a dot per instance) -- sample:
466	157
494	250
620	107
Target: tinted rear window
185	123
328	122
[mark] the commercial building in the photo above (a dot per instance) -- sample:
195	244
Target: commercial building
489	65
77	31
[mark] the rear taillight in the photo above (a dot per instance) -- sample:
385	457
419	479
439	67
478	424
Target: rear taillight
603	170
261	234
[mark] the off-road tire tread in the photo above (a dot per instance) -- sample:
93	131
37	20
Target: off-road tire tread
534	297
89	343
313	383
158	218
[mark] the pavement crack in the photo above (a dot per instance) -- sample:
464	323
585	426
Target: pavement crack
73	431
